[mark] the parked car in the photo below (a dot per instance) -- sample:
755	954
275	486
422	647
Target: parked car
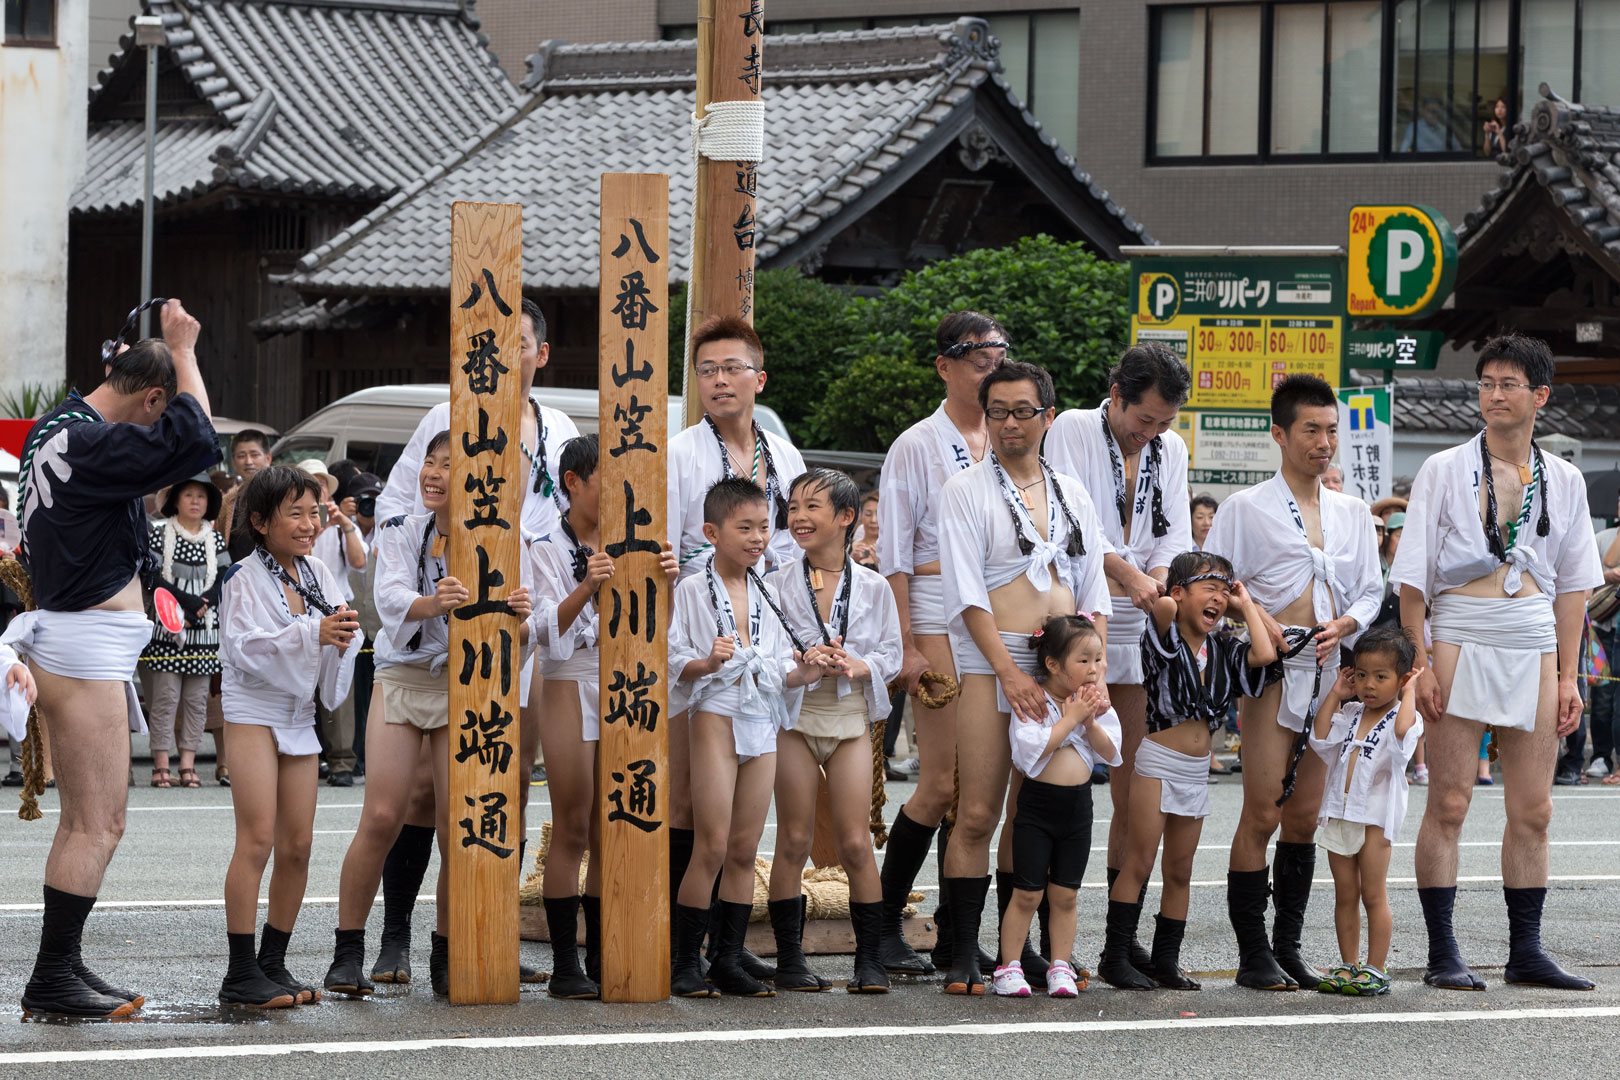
371	427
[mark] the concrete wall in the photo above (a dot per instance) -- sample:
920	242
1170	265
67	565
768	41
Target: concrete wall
42	136
516	27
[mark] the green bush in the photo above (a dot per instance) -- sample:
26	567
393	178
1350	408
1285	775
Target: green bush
1063	307
851	373
802	322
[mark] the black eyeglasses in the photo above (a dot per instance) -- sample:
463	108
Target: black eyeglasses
110	347
1023	412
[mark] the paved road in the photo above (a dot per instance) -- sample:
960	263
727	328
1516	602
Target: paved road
161	927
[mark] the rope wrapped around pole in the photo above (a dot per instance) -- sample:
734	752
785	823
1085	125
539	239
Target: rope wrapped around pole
33	747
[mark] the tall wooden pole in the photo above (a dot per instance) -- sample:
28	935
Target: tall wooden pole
632	758
731	43
486	508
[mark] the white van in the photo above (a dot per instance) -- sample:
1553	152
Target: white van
371	427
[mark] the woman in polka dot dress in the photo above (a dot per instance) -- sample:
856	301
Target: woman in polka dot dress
191	557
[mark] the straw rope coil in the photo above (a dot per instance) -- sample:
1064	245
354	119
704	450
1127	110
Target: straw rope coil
33	747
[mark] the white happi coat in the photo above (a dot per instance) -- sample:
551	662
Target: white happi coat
874	629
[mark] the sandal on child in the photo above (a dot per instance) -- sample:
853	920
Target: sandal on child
223	775
188	778
1335	981
162	778
1368	982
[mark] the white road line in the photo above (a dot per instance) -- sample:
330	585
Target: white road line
1220	883
819	1034
427	898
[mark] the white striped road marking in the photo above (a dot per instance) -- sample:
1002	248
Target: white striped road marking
817	1034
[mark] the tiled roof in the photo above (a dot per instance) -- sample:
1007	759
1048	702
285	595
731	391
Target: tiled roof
345	98
1569	149
847	114
1579	410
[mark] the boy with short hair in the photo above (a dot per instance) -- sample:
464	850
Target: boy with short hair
731	662
1366	731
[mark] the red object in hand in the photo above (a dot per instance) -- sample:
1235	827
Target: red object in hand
168	611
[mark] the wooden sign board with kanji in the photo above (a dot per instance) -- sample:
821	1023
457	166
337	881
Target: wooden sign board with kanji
632	763
486	552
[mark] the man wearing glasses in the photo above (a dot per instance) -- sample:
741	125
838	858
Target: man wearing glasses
971	344
1499	553
730	364
1136	475
1019	543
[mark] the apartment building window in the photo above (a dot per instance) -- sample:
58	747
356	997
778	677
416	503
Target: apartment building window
1039	55
1295	81
30	22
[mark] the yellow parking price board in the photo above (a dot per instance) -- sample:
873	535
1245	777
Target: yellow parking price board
1237	361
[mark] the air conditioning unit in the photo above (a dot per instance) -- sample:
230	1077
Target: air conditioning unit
1565	447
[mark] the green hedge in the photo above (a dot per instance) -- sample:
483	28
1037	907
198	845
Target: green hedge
851	373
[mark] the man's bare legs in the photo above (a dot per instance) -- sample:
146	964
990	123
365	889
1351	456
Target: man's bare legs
984	761
92	781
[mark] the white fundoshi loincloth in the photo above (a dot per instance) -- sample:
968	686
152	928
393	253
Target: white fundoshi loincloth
95	645
1126	622
1183	780
969	661
1299	677
1501	641
927	592
584	669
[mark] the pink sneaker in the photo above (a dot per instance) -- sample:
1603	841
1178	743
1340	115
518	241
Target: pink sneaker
1061	982
1009	981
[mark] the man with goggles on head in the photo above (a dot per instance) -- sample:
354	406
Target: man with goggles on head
970	345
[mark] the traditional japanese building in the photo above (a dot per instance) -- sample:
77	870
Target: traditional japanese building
278	124
885	150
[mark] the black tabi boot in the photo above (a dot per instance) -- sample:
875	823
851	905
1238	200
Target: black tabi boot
753	965
402	875
1527	964
439	965
681	842
568	979
792	971
725	957
1292	869
1446	969
246	985
273	962
592	907
685	976
1033	963
902	858
56	988
1246	892
347	975
1115	968
870	977
527	974
966	898
96	983
1167	935
1140	960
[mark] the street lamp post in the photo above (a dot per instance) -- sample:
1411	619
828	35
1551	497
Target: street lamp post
149	35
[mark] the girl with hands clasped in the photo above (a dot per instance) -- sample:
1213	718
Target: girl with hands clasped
1051	832
415	595
1366	731
286	635
1192	670
845	616
568	570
